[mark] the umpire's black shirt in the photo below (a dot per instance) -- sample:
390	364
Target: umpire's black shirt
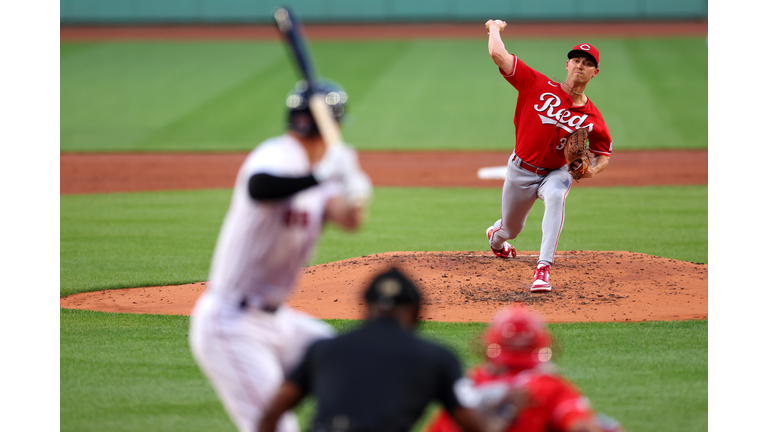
377	378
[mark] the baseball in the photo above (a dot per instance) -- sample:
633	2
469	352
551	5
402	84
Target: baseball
499	22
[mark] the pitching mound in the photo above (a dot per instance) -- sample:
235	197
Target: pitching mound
470	287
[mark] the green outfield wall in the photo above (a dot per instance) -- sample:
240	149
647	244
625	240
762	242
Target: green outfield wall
319	11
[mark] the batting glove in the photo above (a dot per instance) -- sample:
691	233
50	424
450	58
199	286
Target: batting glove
336	162
357	187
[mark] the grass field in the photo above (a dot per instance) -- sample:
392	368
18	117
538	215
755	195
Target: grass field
165	238
125	372
403	94
134	373
141	375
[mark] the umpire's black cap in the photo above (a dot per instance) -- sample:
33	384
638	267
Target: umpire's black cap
392	288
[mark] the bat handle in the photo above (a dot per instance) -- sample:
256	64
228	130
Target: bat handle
326	124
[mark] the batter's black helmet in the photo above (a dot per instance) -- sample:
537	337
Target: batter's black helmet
300	119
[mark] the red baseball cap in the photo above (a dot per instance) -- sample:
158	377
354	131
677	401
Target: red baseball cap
588	49
517	337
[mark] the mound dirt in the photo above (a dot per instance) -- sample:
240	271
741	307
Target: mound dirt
470	287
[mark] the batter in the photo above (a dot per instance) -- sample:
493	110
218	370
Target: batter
547	112
242	335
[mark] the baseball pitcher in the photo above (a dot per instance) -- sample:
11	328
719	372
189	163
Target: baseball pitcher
547	156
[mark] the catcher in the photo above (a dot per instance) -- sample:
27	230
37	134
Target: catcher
557	130
516	389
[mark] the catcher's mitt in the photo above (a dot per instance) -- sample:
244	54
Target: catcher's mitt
576	153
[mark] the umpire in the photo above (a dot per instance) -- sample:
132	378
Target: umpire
378	378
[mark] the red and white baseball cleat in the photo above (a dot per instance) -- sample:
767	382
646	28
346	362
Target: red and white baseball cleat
541	279
507	251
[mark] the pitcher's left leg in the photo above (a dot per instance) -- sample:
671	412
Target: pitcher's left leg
553	191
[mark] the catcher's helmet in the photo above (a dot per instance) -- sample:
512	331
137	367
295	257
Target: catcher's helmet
517	338
300	118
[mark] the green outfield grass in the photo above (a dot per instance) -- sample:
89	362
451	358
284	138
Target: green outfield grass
162	238
125	372
421	94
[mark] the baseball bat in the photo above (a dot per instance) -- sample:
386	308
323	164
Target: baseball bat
293	32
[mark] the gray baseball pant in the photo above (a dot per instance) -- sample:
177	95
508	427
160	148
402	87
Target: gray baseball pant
520	191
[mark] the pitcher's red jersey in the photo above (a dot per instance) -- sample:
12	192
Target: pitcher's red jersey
545	117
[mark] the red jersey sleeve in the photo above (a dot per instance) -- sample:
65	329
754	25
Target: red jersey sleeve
600	141
521	76
568	406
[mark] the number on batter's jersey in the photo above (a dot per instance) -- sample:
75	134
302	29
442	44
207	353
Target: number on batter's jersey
296	218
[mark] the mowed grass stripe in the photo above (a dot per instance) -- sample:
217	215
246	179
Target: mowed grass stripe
160	238
114	96
127	372
420	94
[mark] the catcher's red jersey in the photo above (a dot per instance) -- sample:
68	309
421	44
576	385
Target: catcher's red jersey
553	403
545	117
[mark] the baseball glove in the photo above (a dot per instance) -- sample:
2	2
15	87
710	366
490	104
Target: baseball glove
576	154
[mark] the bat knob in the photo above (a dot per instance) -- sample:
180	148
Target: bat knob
283	19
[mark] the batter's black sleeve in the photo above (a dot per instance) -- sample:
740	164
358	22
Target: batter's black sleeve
264	187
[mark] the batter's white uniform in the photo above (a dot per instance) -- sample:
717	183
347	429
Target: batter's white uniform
242	336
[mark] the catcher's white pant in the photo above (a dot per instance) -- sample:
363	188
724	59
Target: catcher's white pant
246	353
520	191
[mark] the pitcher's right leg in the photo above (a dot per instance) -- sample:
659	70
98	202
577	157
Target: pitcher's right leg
517	198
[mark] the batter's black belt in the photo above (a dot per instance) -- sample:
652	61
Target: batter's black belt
265	308
532	168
